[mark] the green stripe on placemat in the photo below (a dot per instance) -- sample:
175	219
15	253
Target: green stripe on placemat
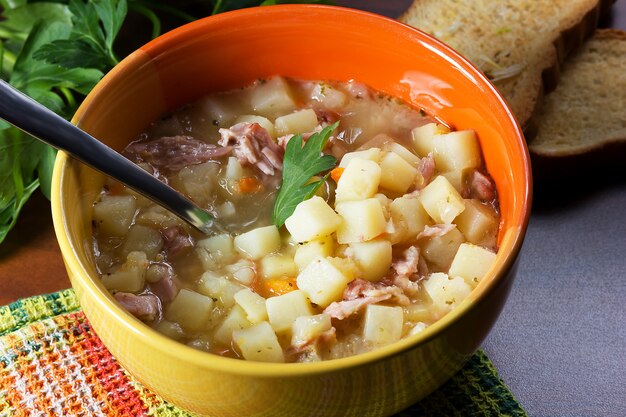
33	330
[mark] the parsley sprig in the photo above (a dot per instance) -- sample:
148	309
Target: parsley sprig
301	163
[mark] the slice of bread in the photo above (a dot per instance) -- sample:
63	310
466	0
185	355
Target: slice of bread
518	44
587	110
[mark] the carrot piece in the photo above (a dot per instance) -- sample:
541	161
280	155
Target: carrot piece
278	286
336	173
249	185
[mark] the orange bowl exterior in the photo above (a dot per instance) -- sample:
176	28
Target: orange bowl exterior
308	42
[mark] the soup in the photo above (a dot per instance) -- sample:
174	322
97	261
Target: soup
351	219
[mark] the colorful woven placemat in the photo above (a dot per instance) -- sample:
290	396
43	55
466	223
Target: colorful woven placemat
53	364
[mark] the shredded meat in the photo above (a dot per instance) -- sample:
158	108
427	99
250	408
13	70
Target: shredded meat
166	288
173	153
409	263
481	187
329	336
326	117
436	230
408	270
360	293
176	240
284	140
145	306
426	168
252	145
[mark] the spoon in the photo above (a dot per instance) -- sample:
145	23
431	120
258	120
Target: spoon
38	121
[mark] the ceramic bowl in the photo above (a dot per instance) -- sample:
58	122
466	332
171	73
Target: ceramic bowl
308	42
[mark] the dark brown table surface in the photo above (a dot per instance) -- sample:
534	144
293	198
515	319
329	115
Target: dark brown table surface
560	343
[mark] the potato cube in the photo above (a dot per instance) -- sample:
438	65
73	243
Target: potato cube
406	154
417	328
243	271
422	137
278	266
439	251
307	328
362	220
190	309
284	309
295	123
312	219
198	181
323	281
409	217
264	122
113	214
383	324
441	201
323	247
371	154
259	343
478	223
272	98
472	263
142	238
330	97
219	288
359	180
418	312
397	174
130	276
233	170
253	304
456	151
446	292
373	258
220	248
169	329
258	242
235	320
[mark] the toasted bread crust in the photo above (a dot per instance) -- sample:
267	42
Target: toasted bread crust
520	45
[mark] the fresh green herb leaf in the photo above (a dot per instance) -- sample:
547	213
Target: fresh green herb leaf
300	164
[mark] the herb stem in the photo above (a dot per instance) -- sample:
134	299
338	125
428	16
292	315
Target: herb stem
217	7
150	15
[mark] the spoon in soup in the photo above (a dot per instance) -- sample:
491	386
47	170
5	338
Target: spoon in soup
38	121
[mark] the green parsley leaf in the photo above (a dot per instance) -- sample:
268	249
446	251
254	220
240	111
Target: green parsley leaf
300	164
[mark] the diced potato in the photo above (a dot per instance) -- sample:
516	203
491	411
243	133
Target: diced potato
406	154
441	201
307	328
455	151
226	210
130	276
472	263
258	242
397	174
458	179
409	217
243	271
190	309
142	238
220	247
259	343
219	288
264	122
113	214
234	170
235	320
278	266
198	181
323	247
445	292
418	328
158	271
284	309
220	110
383	324
253	304
301	121
312	219
371	154
362	220
330	97
385	203
439	251
373	258
323	282
359	180
272	98
170	329
423	137
418	312
478	223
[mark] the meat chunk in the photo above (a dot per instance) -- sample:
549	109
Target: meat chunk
172	153
481	187
360	293
326	117
145	307
176	240
166	288
426	169
252	145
